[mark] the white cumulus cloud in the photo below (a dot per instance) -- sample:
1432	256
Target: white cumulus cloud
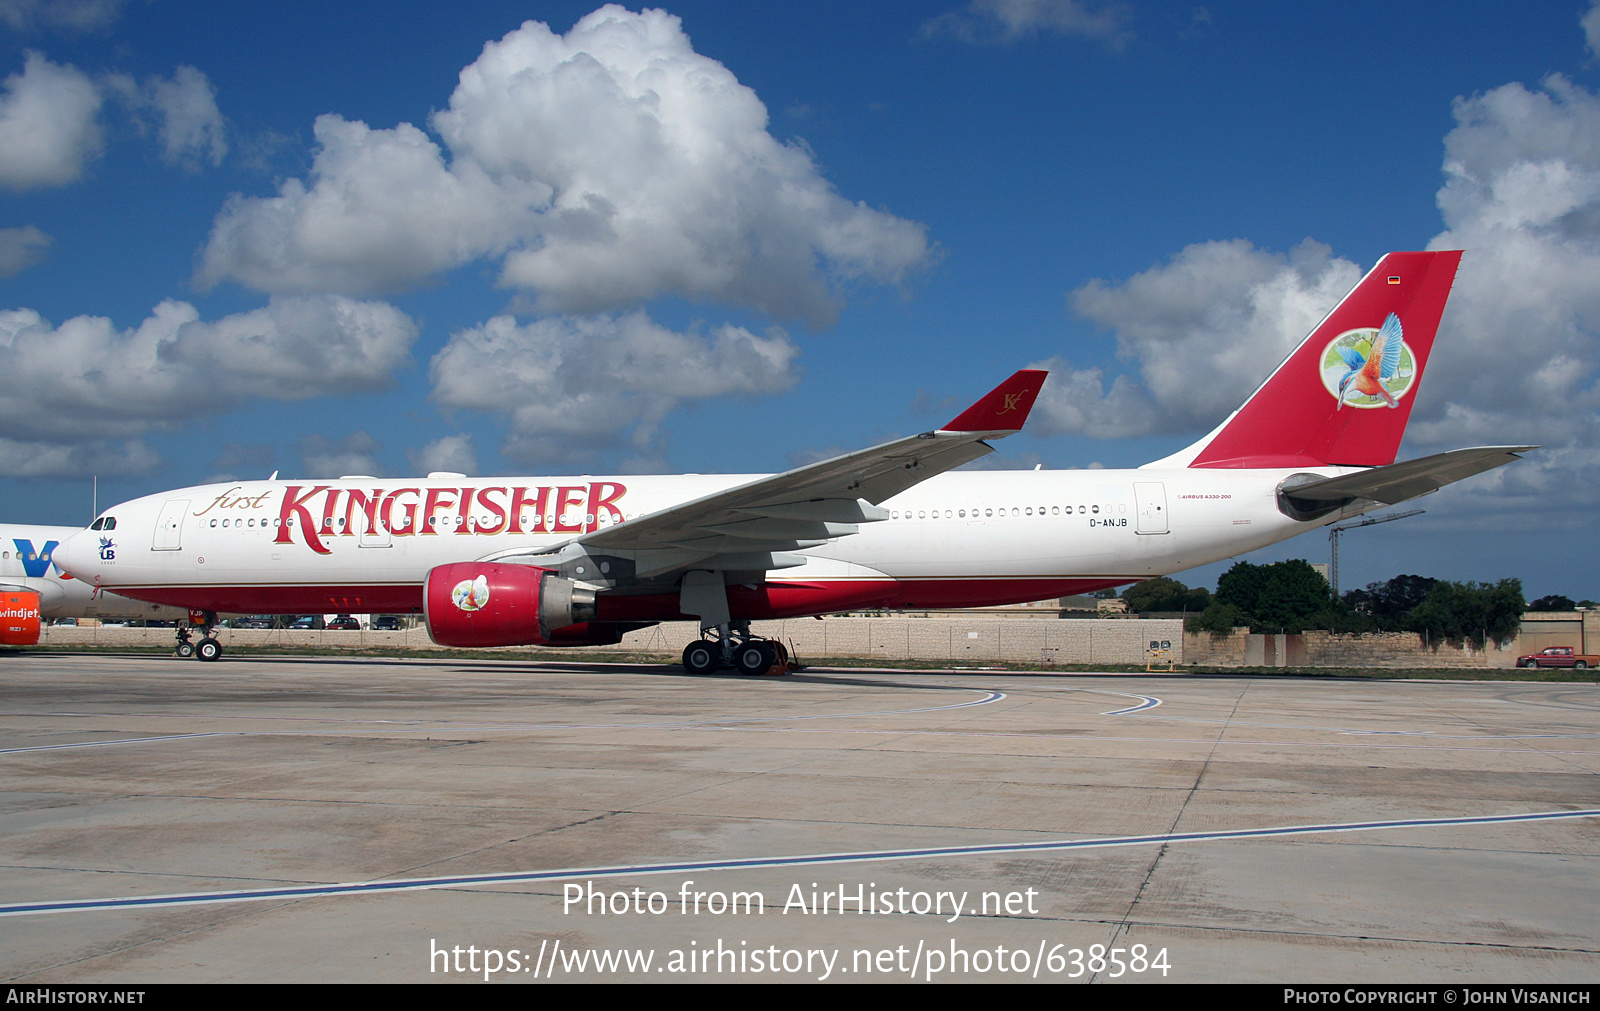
103	457
1518	357
21	248
70	15
453	453
572	385
1522	197
383	212
605	167
74	385
1008	20
1204	330
356	453
191	128
49	127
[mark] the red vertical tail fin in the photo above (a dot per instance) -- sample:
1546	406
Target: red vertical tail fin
1344	395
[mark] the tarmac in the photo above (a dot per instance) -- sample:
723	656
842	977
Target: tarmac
320	819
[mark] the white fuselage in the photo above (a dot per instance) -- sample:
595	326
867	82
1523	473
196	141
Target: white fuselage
966	538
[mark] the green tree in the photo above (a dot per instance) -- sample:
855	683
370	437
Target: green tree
1389	602
1282	596
1554	602
1218	619
1470	612
1165	594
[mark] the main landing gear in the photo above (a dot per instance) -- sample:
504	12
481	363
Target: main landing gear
207	648
732	645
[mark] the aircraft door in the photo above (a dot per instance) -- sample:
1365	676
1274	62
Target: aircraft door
1150	499
169	528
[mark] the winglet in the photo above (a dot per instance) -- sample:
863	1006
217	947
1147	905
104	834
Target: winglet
1004	408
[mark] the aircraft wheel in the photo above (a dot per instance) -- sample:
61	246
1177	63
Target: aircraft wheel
185	650
754	658
208	649
701	657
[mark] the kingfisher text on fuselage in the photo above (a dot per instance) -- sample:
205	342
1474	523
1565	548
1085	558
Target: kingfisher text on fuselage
326	511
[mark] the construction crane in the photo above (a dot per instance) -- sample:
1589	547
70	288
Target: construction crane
1333	540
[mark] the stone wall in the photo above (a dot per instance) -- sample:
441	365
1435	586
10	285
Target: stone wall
956	640
1331	649
1206	650
971	640
964	641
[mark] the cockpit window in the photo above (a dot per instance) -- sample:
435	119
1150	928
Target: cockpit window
104	523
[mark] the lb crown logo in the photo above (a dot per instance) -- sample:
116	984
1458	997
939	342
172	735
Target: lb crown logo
1369	366
471	594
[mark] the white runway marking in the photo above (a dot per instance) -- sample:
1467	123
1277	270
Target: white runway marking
105	744
812	859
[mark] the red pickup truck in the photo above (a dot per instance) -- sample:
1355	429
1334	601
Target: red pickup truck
1559	656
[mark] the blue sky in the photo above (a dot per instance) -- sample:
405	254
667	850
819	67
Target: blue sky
252	237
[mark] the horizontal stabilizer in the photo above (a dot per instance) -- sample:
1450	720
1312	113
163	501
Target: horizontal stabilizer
1401	481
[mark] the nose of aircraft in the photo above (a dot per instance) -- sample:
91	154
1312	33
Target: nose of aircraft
73	555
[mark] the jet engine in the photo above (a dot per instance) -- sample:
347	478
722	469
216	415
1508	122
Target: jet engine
478	604
19	618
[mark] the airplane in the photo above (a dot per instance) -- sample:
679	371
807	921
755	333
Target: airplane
574	561
33	589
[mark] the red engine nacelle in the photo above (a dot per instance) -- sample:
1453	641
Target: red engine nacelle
19	618
478	604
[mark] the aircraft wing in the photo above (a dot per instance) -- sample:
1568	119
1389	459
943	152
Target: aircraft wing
1401	481
752	526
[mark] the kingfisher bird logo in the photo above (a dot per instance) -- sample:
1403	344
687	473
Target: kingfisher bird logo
471	594
108	550
1370	366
